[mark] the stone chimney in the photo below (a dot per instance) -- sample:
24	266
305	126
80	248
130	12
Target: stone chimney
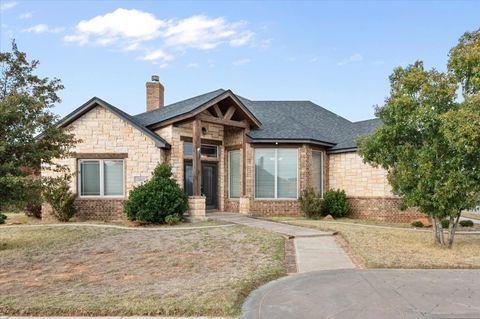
155	93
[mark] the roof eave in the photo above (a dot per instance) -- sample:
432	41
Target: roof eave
289	141
342	150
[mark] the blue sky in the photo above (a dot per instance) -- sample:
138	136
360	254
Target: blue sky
336	54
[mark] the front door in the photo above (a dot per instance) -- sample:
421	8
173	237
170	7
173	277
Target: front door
209	182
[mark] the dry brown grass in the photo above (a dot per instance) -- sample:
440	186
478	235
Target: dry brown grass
400	248
97	271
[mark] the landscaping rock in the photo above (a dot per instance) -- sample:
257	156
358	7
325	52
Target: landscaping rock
328	217
424	220
13	223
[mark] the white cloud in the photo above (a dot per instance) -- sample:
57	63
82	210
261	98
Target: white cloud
135	30
354	58
8	5
121	23
157	55
193	65
241	62
26	15
43	28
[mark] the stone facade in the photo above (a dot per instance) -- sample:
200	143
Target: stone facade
368	191
104	135
348	172
196	206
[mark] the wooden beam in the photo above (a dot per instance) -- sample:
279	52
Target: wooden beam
196	164
229	113
244	162
217	111
211	119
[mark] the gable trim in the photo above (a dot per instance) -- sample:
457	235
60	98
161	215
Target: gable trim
95	101
187	115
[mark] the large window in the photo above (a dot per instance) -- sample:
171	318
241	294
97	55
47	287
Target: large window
100	177
234	173
317	172
276	173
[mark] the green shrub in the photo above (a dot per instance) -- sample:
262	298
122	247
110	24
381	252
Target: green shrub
33	209
445	223
466	223
335	203
311	203
3	217
156	199
57	193
417	224
173	219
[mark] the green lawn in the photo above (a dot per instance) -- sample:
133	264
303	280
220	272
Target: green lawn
86	271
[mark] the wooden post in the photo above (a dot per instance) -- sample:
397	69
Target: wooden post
244	162
196	164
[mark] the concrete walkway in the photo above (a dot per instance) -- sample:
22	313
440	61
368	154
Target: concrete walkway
372	293
314	249
284	229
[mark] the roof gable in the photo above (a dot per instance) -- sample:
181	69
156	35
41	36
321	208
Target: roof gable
95	101
189	108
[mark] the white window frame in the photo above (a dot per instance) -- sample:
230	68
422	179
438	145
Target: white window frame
275	189
239	169
102	182
321	168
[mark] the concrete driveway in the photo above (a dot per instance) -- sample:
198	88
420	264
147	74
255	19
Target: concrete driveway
375	293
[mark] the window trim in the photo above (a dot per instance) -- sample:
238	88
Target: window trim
239	171
202	156
321	171
275	189
102	180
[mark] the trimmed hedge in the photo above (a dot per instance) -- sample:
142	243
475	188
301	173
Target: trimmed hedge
159	200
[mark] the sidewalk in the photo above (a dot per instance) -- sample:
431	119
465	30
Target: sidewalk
314	249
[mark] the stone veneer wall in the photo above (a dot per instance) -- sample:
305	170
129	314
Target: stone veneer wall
367	188
102	132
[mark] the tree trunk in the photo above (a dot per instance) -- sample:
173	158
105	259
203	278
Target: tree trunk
436	237
452	228
439	238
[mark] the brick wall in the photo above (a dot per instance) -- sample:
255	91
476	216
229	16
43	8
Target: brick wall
385	208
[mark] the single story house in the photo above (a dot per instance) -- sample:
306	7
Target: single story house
228	153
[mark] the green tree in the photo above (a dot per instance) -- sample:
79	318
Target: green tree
429	141
25	103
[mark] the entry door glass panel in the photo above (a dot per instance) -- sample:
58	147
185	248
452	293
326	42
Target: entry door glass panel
209	184
188	178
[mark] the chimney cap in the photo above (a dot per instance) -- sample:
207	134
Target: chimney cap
155	78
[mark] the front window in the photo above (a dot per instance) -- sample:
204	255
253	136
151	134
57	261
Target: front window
205	150
276	173
101	177
317	172
234	173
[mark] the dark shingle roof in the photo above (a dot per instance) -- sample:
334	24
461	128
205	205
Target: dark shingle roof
281	121
347	139
296	120
176	109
